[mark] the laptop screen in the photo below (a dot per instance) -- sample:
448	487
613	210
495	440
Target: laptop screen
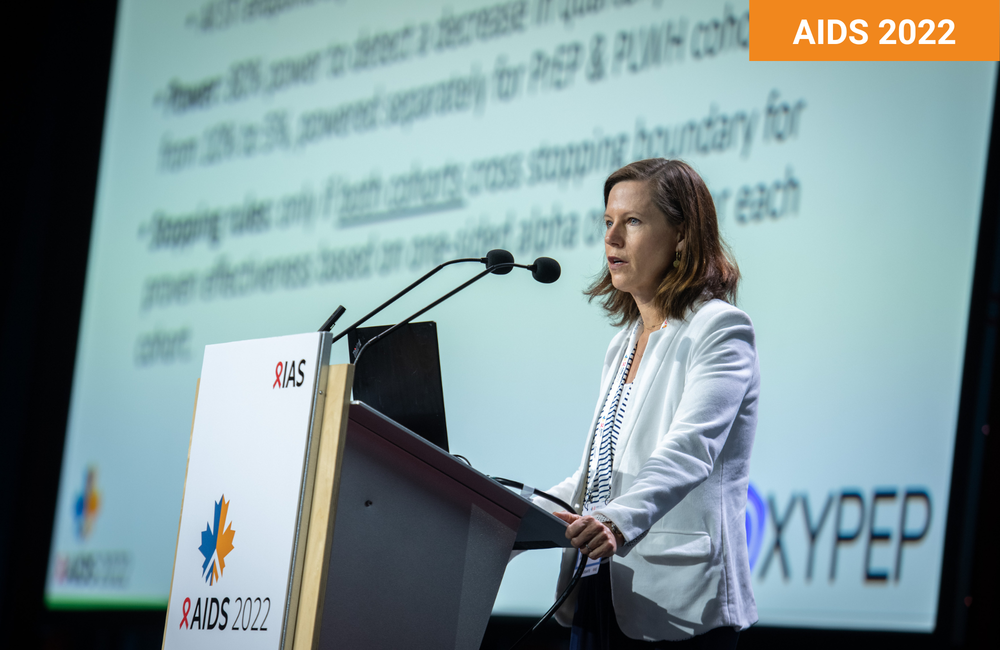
400	377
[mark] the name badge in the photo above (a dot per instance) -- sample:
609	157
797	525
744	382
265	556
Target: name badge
593	565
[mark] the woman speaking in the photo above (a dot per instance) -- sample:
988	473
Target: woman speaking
663	483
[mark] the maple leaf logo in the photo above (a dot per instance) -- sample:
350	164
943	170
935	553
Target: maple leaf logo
87	505
215	546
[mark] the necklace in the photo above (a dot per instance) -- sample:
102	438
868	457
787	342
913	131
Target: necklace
653	327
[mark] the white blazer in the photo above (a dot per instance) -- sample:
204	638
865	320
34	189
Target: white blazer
680	471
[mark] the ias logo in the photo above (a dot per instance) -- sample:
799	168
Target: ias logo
215	544
87	504
289	374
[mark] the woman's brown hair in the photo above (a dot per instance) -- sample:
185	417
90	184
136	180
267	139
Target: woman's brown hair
706	266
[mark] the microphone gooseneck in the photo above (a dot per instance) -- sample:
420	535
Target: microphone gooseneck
545	270
395	327
492	259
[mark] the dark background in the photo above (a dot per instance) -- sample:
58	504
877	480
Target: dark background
55	66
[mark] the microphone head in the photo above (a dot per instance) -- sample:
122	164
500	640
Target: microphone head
546	270
500	256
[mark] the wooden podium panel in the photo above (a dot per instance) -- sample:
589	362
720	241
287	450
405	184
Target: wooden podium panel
325	489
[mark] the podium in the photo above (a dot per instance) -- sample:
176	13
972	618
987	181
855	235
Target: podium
351	531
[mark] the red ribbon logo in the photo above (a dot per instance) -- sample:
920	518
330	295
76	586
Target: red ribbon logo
187	608
277	375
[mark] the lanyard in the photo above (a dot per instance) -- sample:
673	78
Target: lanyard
599	484
605	424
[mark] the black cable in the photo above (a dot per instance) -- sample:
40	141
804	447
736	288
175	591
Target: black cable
545	495
559	602
579	570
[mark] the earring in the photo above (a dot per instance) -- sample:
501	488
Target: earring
677	259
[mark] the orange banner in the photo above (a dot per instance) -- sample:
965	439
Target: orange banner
874	30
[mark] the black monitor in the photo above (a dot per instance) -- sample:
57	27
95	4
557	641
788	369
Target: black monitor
400	377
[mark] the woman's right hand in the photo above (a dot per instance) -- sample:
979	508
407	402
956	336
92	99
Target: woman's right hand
593	538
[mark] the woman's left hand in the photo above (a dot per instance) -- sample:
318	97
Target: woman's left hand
594	539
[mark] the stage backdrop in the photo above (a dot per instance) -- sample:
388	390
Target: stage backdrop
266	160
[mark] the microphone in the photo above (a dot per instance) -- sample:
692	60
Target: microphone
544	269
497	261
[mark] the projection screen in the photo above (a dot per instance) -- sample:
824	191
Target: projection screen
264	161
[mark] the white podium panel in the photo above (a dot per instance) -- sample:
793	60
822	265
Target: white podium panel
241	537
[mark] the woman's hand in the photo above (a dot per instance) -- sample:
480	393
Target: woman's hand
594	539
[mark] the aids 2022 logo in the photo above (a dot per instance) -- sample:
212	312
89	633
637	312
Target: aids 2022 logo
211	612
86	566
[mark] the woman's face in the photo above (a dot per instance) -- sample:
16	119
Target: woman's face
639	243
